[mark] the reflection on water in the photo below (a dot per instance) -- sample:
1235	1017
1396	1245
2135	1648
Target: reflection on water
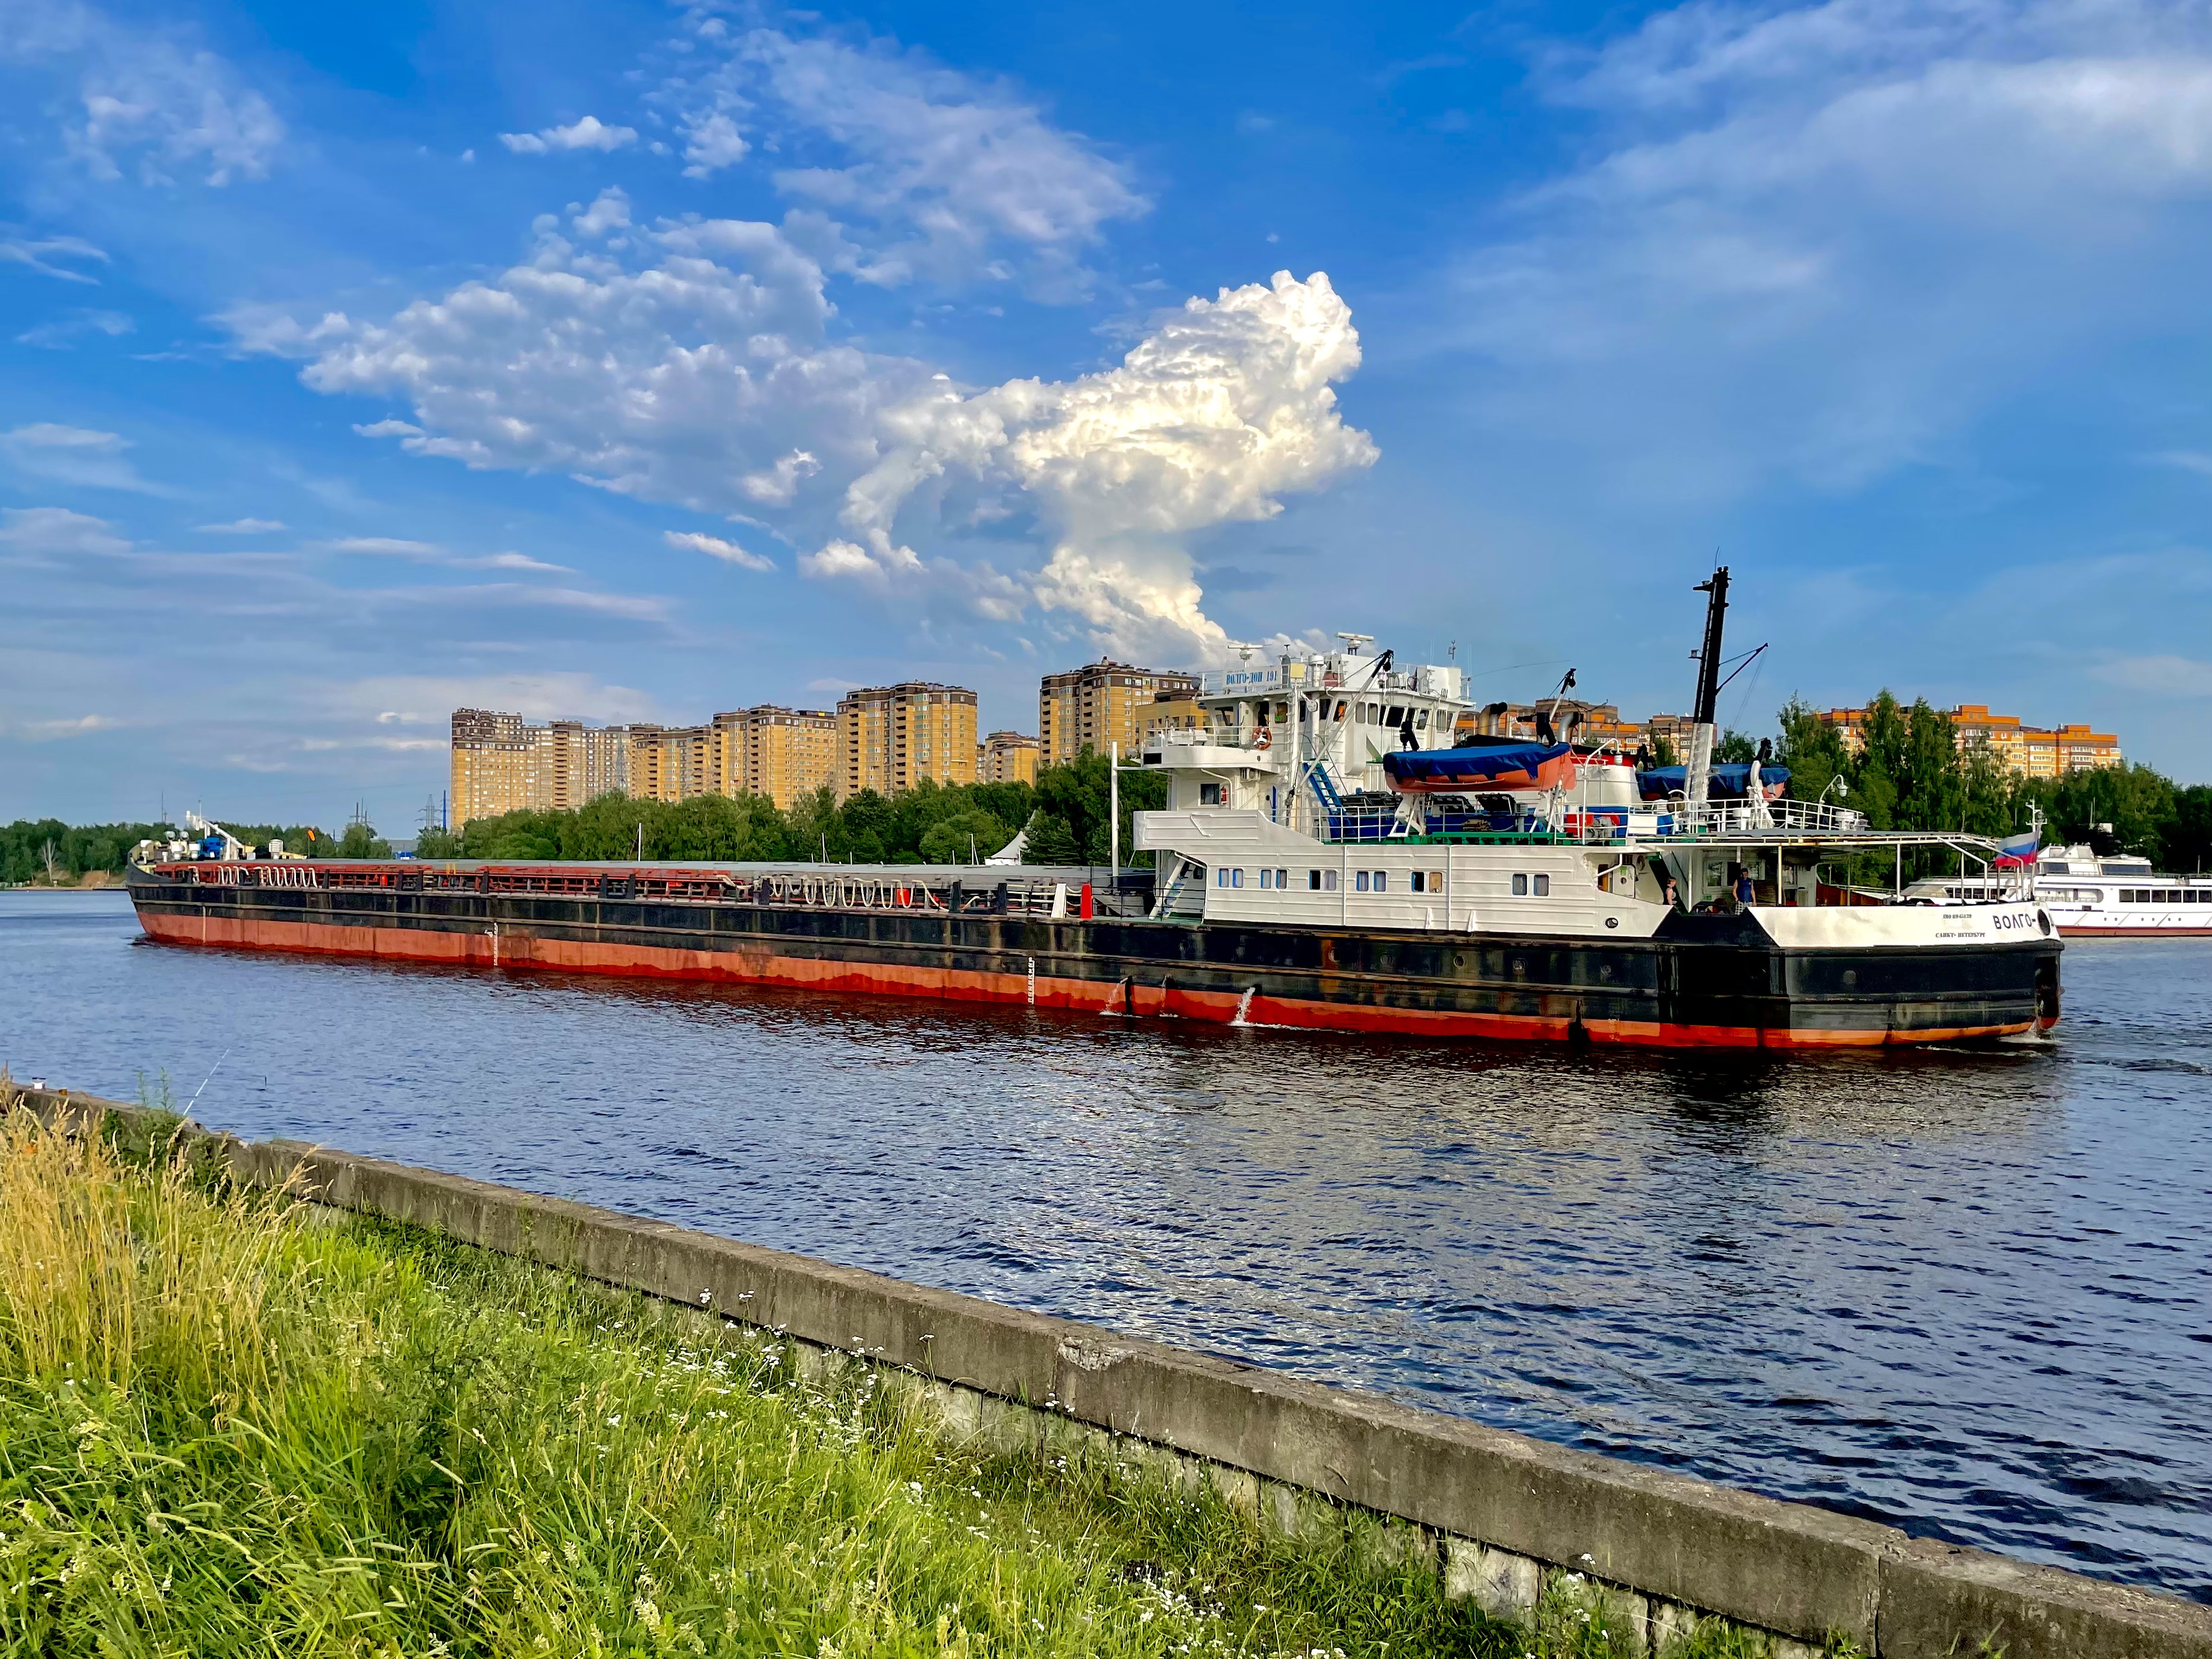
1966	1293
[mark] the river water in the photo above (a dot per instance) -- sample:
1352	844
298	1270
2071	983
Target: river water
1967	1293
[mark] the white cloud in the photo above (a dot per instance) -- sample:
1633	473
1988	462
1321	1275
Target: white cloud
610	212
64	331
1227	405
389	428
947	169
394	547
694	369
52	731
712	142
42	530
777	485
244	527
72	455
589	133
714	547
41	253
144	94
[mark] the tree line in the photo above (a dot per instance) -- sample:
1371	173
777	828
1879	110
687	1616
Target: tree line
1911	774
49	852
1066	813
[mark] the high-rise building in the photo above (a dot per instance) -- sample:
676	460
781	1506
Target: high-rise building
1100	703
501	763
890	738
668	763
586	762
784	754
1007	757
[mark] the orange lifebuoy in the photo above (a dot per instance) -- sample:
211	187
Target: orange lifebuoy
1265	740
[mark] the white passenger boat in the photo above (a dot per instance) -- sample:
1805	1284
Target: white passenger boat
2088	897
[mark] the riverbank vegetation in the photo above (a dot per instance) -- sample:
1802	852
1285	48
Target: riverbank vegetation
1066	813
230	1424
47	853
1909	775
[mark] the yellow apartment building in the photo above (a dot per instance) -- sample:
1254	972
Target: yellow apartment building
1100	703
784	754
2026	751
890	738
1007	757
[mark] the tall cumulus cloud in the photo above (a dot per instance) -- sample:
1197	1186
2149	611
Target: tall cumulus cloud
1226	406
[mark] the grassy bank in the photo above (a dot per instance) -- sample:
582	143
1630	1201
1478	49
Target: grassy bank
226	1428
231	1425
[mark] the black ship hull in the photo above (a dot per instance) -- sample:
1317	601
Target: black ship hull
1703	981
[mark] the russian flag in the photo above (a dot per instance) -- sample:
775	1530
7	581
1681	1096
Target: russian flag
2019	849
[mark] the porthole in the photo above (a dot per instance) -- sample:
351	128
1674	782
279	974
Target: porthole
1850	978
1613	921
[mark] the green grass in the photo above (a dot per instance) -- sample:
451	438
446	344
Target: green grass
231	1424
235	1426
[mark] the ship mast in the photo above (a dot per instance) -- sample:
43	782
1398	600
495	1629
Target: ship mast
1700	760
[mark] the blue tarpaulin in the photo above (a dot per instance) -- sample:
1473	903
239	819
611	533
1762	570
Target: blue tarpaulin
1731	782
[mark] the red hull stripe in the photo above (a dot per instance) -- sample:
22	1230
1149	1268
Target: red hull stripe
763	967
2134	933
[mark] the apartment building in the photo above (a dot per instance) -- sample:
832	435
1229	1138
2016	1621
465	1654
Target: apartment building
785	754
1007	757
2026	751
1100	703
502	764
890	738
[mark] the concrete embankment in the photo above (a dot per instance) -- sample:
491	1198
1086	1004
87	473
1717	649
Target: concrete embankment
1505	1519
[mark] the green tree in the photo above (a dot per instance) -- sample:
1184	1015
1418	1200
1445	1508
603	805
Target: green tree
964	838
360	841
1051	840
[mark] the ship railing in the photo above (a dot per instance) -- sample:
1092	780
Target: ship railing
822	887
1222	735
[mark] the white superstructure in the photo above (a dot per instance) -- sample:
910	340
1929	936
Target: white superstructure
1281	809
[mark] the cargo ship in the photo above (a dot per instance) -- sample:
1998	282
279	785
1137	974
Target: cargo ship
1341	849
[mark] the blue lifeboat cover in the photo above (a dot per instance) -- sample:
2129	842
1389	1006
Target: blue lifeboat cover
1729	782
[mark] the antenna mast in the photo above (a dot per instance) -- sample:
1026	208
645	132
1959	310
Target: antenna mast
1709	659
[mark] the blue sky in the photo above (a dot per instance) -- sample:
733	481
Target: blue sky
643	361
